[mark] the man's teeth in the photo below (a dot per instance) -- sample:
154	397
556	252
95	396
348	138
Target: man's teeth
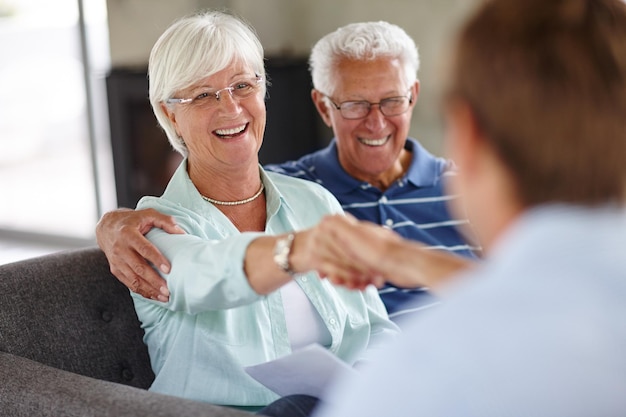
228	132
374	142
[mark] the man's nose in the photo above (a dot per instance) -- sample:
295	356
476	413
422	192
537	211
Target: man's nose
375	119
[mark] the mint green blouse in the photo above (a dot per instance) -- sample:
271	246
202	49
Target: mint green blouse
214	323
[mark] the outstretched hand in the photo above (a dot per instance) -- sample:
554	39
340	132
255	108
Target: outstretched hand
120	235
343	246
328	248
357	253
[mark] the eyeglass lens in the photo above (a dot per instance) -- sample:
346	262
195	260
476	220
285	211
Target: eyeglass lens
238	90
392	106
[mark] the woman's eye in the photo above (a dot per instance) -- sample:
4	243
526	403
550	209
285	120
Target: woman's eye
242	85
202	96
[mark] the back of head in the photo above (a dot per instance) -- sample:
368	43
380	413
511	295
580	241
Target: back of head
362	41
194	48
547	83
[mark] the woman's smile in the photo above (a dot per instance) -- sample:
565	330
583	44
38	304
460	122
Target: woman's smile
231	132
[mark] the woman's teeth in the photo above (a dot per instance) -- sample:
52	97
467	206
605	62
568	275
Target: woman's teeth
230	132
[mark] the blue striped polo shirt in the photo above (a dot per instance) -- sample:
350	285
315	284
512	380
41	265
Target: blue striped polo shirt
414	207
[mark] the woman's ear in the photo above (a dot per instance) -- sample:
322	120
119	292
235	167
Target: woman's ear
168	112
321	105
170	115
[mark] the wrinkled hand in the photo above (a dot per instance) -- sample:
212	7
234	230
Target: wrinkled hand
357	253
120	235
330	248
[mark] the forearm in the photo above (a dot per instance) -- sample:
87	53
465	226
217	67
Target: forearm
410	264
263	273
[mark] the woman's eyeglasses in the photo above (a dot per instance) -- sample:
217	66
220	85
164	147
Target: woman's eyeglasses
238	90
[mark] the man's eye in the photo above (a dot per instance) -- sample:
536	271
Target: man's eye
356	104
393	102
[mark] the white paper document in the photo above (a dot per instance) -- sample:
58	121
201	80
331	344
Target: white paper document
306	371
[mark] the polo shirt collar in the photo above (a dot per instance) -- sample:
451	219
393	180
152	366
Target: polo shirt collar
329	170
423	171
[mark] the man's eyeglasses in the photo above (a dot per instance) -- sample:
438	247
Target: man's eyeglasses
391	106
238	90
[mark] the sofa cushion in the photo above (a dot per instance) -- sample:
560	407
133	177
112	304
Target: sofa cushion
67	311
31	389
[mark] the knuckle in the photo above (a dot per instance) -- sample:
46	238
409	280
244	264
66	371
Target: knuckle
144	249
133	285
140	269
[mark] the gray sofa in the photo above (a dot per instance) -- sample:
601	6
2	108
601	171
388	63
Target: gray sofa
71	344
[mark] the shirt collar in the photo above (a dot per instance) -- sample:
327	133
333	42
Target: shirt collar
182	191
330	172
425	169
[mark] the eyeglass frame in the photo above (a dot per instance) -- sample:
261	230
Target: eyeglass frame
370	104
259	79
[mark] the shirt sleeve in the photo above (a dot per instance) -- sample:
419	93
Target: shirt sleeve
207	264
205	274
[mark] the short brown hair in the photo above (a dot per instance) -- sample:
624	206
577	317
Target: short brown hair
546	80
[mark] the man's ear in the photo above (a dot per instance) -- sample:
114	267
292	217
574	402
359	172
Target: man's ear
464	137
415	89
322	106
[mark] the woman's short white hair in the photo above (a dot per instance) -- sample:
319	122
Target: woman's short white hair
361	41
194	48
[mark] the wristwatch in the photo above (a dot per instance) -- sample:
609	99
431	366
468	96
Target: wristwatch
282	251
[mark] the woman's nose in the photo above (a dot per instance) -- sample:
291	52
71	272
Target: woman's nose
227	100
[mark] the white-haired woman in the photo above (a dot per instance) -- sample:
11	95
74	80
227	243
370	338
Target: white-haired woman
240	293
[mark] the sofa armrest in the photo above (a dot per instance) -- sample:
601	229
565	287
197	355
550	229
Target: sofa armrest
30	388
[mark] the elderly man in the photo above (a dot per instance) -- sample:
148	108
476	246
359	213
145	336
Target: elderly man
365	89
535	108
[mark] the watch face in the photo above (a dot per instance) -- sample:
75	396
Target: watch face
282	251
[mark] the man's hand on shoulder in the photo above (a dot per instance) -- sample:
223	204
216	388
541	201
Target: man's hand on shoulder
120	235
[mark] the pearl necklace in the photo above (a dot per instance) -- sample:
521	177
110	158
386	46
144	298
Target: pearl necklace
235	203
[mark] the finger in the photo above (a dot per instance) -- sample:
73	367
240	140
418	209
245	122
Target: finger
147	290
162	221
329	249
351	285
140	277
142	246
349	278
148	279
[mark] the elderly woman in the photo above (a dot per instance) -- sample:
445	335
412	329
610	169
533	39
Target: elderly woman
240	293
